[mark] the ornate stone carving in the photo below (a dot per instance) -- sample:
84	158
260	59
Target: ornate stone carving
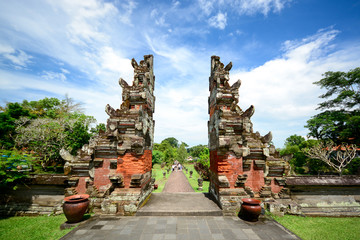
235	150
118	161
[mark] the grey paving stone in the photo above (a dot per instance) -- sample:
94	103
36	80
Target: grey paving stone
170	237
107	227
102	222
218	236
208	228
80	232
182	236
182	231
215	230
158	237
228	234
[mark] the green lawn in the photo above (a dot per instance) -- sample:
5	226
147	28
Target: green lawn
37	228
322	228
194	179
157	173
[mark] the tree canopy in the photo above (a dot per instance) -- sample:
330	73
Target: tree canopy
45	126
340	119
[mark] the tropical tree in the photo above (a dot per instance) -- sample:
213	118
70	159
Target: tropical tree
195	151
45	126
182	153
336	156
340	119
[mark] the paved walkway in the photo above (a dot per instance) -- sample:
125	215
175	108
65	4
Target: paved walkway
177	228
177	182
180	204
153	225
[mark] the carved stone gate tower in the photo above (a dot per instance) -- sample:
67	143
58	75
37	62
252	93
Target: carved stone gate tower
242	163
115	168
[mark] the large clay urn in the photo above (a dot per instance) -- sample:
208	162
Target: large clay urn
250	209
75	207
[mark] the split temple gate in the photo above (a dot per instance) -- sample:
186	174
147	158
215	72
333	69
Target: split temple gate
115	167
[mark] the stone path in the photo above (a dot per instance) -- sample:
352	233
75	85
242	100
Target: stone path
180	204
177	182
177	228
177	200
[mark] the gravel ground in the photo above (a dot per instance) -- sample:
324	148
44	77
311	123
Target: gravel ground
177	182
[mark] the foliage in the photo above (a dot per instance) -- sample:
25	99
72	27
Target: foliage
172	141
171	151
340	121
296	147
202	166
160	180
157	157
338	157
13	166
194	179
195	151
45	126
299	162
47	136
322	228
182	153
32	228
101	127
8	116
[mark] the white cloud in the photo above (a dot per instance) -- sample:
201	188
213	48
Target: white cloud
85	19
282	89
53	76
243	7
207	6
18	57
249	7
127	10
218	21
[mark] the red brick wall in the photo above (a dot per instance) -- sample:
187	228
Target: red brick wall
101	176
81	187
276	188
130	164
227	165
255	178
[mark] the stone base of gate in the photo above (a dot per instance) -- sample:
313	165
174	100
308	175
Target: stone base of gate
125	202
228	199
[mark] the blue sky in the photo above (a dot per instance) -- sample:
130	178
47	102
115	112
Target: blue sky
278	49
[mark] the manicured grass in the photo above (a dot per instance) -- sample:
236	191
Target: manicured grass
37	228
194	179
157	173
322	228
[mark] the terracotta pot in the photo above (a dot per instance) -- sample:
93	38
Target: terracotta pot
75	207
250	209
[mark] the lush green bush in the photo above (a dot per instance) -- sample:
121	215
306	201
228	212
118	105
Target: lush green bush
202	166
14	167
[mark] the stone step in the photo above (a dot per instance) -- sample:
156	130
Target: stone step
180	204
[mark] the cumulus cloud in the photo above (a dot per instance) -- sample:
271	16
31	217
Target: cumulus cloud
218	21
282	89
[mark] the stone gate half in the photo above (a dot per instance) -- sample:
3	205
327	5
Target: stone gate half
115	167
242	163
